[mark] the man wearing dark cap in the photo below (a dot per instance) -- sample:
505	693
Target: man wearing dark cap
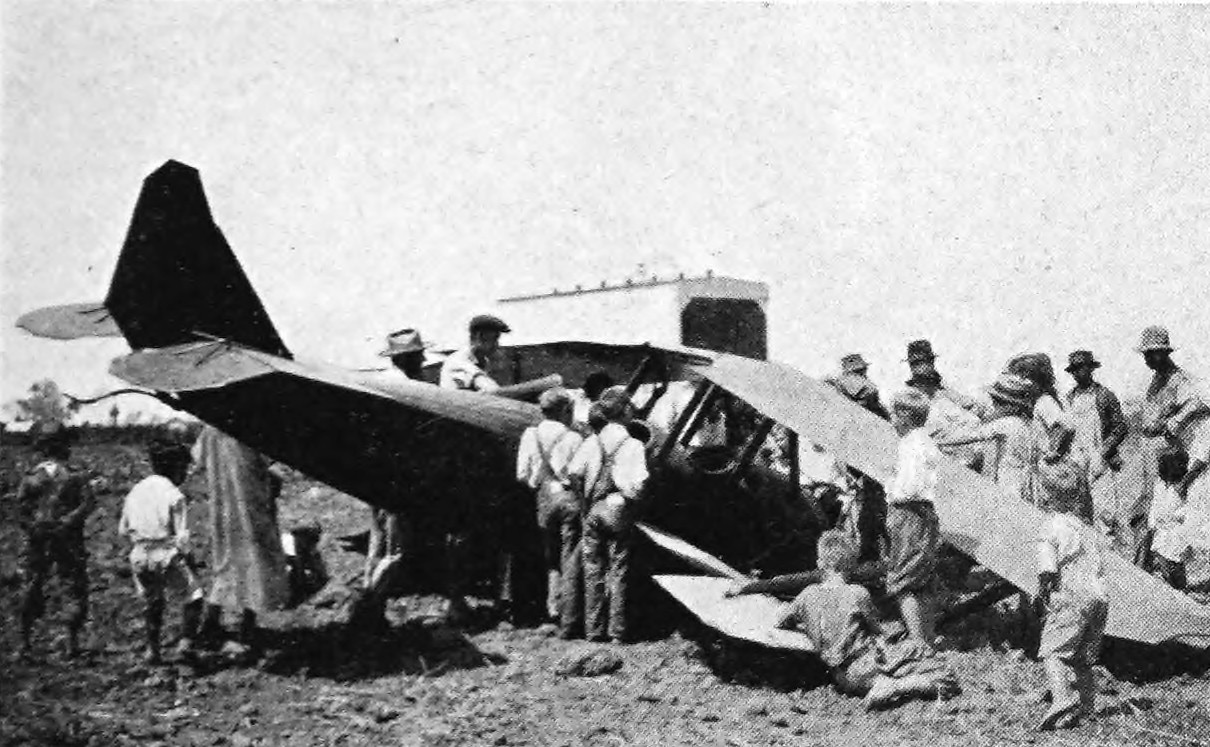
1176	413
1100	429
53	502
951	413
467	368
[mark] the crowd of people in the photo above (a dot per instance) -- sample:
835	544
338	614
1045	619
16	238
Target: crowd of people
585	464
1063	455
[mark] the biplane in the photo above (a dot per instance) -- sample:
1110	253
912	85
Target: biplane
202	342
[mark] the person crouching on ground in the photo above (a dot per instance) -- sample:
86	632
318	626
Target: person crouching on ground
1074	595
53	502
545	452
913	531
154	518
609	472
840	618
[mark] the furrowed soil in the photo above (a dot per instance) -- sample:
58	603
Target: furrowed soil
424	684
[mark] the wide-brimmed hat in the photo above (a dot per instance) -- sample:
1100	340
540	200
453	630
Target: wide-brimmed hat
1014	389
488	323
1081	359
1154	338
404	341
853	363
920	350
1034	366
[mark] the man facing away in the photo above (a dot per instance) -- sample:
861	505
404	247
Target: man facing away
155	519
53	502
545	452
250	574
609	472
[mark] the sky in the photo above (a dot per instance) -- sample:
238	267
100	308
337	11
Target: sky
996	178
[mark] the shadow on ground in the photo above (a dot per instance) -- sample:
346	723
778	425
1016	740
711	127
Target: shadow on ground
337	652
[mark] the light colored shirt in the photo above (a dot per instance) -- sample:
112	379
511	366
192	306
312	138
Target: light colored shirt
463	370
1176	402
155	511
1066	547
545	453
838	618
915	476
611	461
1012	443
1167	518
949	420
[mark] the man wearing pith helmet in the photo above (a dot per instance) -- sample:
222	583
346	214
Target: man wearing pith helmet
1175	410
468	367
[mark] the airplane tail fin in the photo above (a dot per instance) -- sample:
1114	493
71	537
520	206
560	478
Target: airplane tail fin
177	279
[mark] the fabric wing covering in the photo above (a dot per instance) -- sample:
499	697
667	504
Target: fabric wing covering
399	446
979	519
747	618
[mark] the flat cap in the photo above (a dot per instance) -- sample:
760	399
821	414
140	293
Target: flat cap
489	323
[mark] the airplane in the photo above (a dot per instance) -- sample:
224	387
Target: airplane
203	342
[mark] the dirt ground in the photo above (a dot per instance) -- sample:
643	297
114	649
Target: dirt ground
423	684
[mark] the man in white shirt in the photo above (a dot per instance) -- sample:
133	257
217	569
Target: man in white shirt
154	518
467	368
609	472
543	457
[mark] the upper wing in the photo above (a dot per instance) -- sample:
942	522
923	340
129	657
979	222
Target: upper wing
995	528
390	443
576	359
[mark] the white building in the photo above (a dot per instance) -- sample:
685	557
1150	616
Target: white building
710	311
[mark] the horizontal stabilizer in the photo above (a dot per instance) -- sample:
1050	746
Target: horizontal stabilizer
191	367
70	322
750	617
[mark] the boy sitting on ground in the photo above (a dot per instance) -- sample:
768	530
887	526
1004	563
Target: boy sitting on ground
840	618
154	518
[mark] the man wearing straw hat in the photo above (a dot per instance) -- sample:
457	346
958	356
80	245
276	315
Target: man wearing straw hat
1175	410
389	531
1100	429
